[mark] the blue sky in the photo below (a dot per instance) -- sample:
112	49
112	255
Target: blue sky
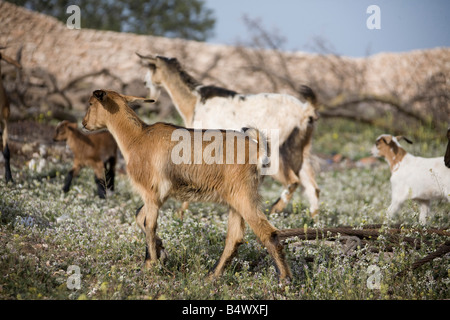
405	24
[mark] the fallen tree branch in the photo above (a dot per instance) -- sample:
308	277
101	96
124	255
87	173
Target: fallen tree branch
440	251
392	235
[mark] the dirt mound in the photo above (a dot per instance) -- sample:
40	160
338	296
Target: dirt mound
67	54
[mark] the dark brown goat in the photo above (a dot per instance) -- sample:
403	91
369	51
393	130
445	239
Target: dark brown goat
97	150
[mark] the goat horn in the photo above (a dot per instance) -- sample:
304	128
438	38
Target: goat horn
151	58
133	99
404	138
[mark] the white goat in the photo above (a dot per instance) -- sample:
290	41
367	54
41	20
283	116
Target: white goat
211	107
416	178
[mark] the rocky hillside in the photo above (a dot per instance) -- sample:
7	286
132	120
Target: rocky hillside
48	46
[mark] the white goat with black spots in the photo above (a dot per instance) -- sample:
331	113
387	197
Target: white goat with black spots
211	107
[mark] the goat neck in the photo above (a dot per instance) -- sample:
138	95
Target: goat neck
126	128
394	159
180	86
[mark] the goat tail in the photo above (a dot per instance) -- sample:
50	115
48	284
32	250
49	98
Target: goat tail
257	136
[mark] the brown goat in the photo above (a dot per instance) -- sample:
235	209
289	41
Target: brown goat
447	153
148	151
4	116
97	150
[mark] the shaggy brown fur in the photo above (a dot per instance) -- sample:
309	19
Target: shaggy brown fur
97	150
147	150
4	116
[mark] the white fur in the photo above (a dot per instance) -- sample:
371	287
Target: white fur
154	91
419	179
268	111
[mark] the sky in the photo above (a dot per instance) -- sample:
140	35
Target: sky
405	25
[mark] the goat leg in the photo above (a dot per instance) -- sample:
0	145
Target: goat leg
284	199
110	173
7	155
101	187
68	181
161	252
235	236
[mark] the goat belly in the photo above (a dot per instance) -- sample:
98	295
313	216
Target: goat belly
422	178
192	193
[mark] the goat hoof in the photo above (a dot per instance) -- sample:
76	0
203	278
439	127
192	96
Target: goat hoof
314	213
163	256
211	277
148	264
283	282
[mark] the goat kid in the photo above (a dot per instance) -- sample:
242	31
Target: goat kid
4	116
148	149
97	150
412	177
211	107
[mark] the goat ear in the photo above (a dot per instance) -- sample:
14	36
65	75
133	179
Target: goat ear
386	139
404	138
308	94
100	95
72	125
130	99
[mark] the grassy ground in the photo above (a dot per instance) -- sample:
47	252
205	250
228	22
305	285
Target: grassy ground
43	233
